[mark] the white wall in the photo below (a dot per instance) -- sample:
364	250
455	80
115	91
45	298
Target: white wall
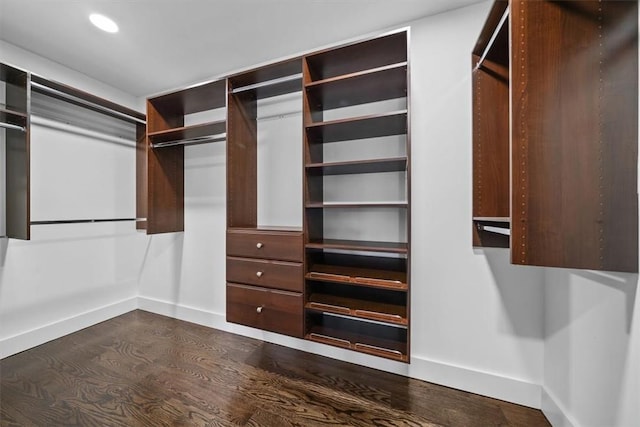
476	320
70	276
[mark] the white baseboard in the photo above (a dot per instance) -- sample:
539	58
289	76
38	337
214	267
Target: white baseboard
554	412
491	385
29	339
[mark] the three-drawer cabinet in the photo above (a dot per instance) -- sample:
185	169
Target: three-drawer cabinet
265	280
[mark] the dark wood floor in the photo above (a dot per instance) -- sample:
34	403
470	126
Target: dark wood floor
141	369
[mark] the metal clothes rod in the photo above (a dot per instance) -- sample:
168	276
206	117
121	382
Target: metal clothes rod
56	92
279	116
12	126
198	140
498	230
81	221
505	15
267	83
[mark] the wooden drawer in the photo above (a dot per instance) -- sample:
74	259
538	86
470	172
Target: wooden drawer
279	245
269	274
268	309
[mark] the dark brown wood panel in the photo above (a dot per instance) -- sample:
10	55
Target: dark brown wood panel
186	132
141	177
283	246
396	164
273	71
352	58
203	97
491	185
242	160
145	369
269	274
268	309
358	245
165	190
574	134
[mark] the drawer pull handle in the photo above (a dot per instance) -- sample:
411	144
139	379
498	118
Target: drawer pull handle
259	245
259	309
259	273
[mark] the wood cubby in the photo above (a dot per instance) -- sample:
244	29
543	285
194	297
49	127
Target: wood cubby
355	93
167	135
560	172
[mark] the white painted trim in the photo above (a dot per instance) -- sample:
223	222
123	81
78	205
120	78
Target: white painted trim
555	413
32	338
487	384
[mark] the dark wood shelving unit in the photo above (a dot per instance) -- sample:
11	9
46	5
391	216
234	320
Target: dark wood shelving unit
370	126
577	210
165	164
274	301
396	164
15	114
364	293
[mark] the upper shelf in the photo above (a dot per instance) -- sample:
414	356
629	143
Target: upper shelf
200	132
370	126
273	80
195	99
378	84
352	58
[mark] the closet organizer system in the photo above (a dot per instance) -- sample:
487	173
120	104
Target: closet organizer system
555	133
18	90
332	280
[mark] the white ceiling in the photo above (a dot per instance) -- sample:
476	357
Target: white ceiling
166	44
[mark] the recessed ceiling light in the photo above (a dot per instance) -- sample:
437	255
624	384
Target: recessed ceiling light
104	23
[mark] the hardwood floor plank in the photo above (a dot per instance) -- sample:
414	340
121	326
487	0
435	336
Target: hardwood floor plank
142	369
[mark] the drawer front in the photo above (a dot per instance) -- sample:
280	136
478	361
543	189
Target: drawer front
269	274
266	245
268	309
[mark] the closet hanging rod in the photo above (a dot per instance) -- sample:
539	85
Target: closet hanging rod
268	83
497	230
197	140
44	88
81	221
12	126
493	38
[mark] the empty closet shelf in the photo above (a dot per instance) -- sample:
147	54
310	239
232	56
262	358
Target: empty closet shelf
393	164
345	205
384	279
372	310
370	126
358	245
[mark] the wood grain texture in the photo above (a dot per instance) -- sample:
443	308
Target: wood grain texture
141	369
575	134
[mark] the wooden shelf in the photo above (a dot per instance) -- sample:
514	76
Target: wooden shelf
345	205
203	97
358	245
188	132
369	277
373	53
8	111
389	349
379	84
365	309
392	164
273	80
369	126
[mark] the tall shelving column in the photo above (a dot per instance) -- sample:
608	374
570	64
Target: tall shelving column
357	196
14	119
